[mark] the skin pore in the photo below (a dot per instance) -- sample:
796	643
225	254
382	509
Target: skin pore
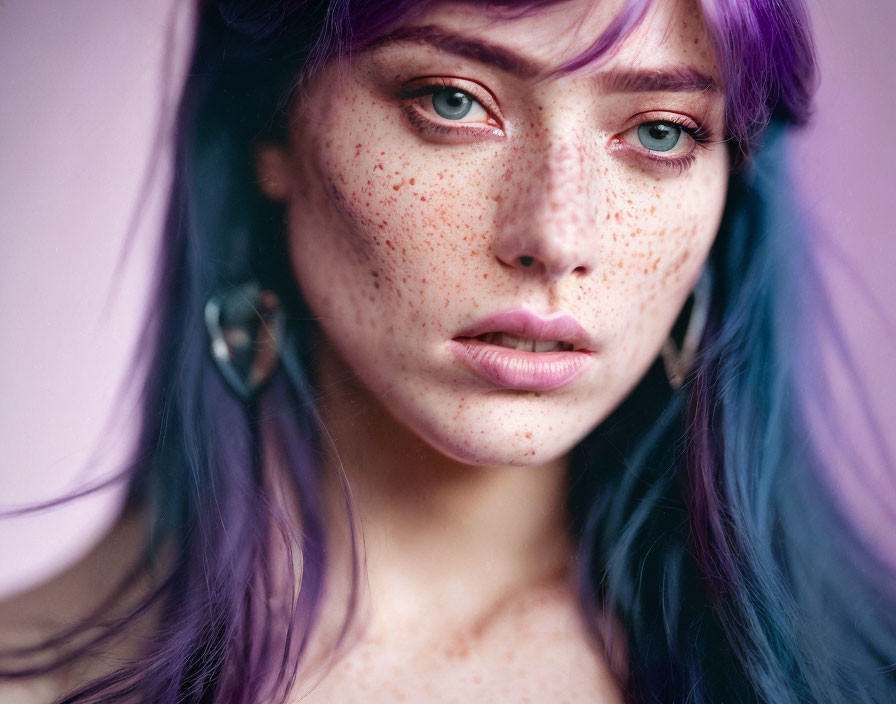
441	176
405	227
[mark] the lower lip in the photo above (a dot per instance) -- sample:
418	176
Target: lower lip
515	369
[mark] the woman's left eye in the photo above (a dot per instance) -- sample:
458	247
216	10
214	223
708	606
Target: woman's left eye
665	142
659	136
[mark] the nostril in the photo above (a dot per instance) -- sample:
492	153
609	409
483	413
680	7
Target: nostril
580	270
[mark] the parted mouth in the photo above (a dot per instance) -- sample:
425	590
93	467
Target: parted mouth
523	344
526	331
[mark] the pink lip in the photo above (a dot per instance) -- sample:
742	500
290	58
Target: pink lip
517	369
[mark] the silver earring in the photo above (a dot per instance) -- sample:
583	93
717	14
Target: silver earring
679	361
244	326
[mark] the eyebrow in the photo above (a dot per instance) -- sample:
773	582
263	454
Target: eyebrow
672	79
476	49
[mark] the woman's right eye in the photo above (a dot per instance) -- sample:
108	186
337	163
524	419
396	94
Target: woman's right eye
454	104
447	112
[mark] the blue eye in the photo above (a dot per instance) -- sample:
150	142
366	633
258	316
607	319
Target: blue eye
659	136
452	104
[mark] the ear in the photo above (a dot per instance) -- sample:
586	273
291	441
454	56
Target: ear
272	168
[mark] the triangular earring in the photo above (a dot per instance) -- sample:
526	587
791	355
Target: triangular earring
244	324
679	361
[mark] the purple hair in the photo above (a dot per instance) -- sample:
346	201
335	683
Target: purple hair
692	509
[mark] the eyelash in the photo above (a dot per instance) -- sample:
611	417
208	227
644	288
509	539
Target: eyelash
474	130
698	133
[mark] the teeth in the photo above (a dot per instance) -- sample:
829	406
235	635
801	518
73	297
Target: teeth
546	345
502	339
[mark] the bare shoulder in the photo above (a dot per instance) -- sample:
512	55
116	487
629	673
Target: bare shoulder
28	692
47	610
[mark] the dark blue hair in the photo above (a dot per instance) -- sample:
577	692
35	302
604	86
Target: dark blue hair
702	522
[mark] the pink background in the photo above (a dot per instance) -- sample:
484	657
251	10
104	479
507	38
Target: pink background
80	87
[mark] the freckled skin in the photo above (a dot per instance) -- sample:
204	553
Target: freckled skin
399	239
401	235
404	228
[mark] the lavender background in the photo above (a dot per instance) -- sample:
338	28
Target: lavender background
81	87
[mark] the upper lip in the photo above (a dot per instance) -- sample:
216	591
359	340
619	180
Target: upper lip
521	322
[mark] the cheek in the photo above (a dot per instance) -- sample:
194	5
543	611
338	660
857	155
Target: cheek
657	238
403	225
384	234
652	232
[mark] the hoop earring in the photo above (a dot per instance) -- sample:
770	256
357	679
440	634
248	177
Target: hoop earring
679	361
245	326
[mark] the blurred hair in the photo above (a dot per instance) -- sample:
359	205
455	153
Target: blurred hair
702	522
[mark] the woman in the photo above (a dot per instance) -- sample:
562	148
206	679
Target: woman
471	374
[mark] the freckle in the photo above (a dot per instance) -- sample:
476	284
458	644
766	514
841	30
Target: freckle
411	182
618	216
422	197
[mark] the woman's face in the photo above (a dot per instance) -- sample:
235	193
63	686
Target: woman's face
496	253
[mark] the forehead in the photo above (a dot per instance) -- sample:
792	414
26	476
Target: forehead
543	39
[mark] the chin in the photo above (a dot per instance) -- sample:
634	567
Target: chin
518	441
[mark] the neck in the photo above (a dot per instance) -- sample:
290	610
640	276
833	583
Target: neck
443	542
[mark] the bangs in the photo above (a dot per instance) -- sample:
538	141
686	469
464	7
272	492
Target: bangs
764	50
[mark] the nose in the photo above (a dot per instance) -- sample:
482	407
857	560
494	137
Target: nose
546	225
